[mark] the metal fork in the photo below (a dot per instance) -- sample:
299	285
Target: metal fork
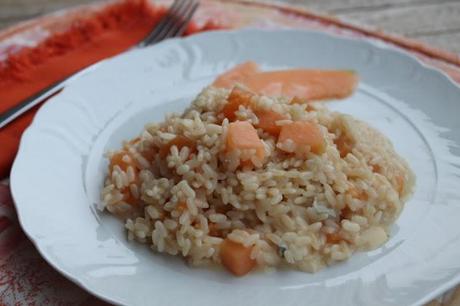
172	24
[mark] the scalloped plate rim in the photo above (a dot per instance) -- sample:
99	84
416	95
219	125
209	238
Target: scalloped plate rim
77	279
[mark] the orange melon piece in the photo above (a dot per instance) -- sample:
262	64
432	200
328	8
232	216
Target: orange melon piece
267	121
302	134
242	135
303	83
236	257
234	75
238	96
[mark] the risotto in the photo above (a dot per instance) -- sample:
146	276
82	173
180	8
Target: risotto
248	181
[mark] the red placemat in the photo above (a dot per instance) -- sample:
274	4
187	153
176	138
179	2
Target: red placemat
25	278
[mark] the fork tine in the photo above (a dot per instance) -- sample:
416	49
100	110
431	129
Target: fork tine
175	20
164	22
172	19
182	25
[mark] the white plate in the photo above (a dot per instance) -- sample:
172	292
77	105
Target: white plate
58	173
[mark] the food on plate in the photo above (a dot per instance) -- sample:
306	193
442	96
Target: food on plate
236	74
308	84
251	181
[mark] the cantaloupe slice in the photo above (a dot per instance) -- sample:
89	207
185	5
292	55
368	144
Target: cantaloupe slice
267	118
309	84
242	135
238	96
236	257
303	83
267	121
298	136
234	75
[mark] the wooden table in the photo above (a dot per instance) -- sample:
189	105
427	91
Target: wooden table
436	22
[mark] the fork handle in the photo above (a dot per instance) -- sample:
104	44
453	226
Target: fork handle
41	96
19	109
